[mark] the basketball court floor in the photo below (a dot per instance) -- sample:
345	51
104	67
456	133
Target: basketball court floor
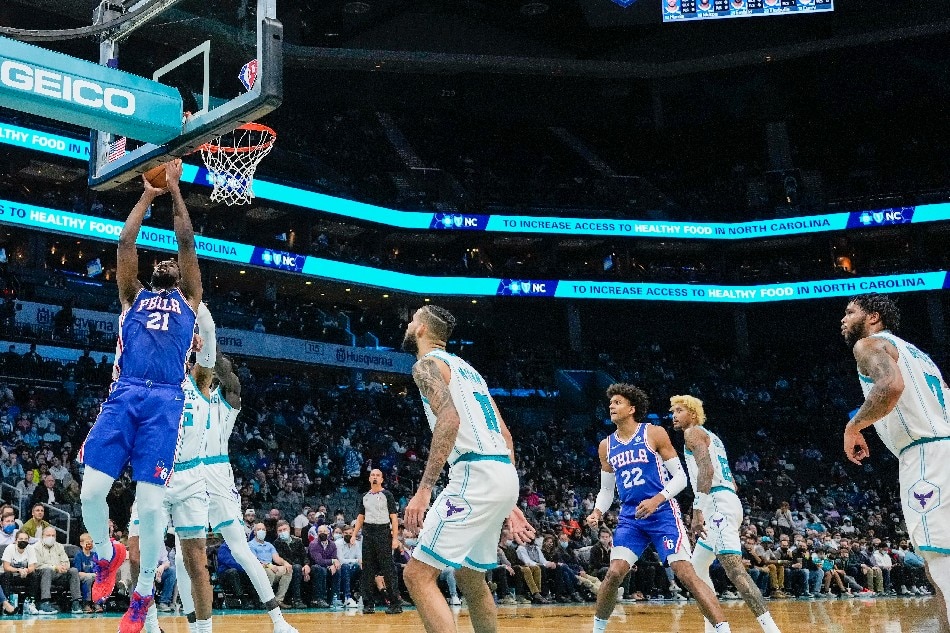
882	615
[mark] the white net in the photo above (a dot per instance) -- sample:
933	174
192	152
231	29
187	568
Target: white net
231	160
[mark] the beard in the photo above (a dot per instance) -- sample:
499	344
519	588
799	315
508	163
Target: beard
410	344
853	335
163	280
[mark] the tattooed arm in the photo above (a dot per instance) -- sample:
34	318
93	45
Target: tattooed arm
877	359
697	442
432	377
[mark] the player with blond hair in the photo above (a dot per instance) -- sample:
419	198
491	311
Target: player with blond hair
717	512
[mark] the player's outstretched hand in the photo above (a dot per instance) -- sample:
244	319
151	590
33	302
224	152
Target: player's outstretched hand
415	511
855	446
153	191
521	531
173	171
593	519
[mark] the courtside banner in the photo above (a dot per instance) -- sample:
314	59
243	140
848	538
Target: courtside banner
64	222
503	223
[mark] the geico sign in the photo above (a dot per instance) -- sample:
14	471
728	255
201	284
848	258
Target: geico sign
75	89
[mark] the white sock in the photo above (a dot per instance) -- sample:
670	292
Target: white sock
723	627
767	623
709	626
95	510
275	615
193	627
151	620
203	626
599	625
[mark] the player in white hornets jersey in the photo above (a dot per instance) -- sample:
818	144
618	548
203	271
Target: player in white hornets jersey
717	512
905	398
224	511
462	528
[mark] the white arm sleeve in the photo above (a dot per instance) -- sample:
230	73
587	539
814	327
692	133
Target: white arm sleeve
678	481
608	481
206	331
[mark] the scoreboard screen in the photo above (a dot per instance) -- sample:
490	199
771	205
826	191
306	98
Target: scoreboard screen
678	10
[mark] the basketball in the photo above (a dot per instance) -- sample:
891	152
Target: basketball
156	176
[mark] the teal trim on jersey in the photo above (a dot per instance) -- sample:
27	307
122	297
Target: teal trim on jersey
221	525
482	566
701	544
723	489
223	399
865	378
444	561
197	389
937	550
424	399
729	551
191	528
216	459
686	451
923	440
191	463
886	336
478	457
135	522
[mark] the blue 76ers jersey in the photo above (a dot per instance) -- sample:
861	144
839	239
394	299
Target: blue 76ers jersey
155	334
639	470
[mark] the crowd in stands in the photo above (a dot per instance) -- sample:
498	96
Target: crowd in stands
813	524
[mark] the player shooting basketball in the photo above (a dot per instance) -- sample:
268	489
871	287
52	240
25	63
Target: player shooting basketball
139	422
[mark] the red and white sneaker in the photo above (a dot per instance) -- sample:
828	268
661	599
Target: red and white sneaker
134	619
106	573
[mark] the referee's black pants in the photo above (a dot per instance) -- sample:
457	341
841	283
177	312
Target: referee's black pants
378	561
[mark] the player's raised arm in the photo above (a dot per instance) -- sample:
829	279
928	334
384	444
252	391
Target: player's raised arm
230	383
127	256
432	377
185	234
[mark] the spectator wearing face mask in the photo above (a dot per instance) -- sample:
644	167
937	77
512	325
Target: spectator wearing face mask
324	565
350	551
293	551
279	572
8	528
53	566
19	570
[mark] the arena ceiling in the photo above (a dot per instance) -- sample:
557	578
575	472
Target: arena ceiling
586	38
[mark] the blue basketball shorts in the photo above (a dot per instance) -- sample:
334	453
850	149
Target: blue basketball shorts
139	424
663	528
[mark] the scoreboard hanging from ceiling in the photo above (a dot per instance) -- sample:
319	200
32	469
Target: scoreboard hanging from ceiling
678	10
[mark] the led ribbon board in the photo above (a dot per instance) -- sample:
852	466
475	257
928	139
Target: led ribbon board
74	224
60	87
608	227
679	10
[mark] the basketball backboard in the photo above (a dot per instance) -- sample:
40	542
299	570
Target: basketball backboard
227	65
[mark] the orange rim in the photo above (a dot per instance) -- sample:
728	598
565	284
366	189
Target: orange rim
252	127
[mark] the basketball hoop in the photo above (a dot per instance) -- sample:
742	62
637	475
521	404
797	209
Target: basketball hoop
232	158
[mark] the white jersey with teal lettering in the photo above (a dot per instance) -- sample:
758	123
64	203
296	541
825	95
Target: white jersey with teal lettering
921	411
722	475
195	421
479	433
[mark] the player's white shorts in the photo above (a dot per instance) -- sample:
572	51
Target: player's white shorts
723	515
923	478
186	501
463	525
225	502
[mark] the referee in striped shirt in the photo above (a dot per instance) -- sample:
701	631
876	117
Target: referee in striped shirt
380	525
